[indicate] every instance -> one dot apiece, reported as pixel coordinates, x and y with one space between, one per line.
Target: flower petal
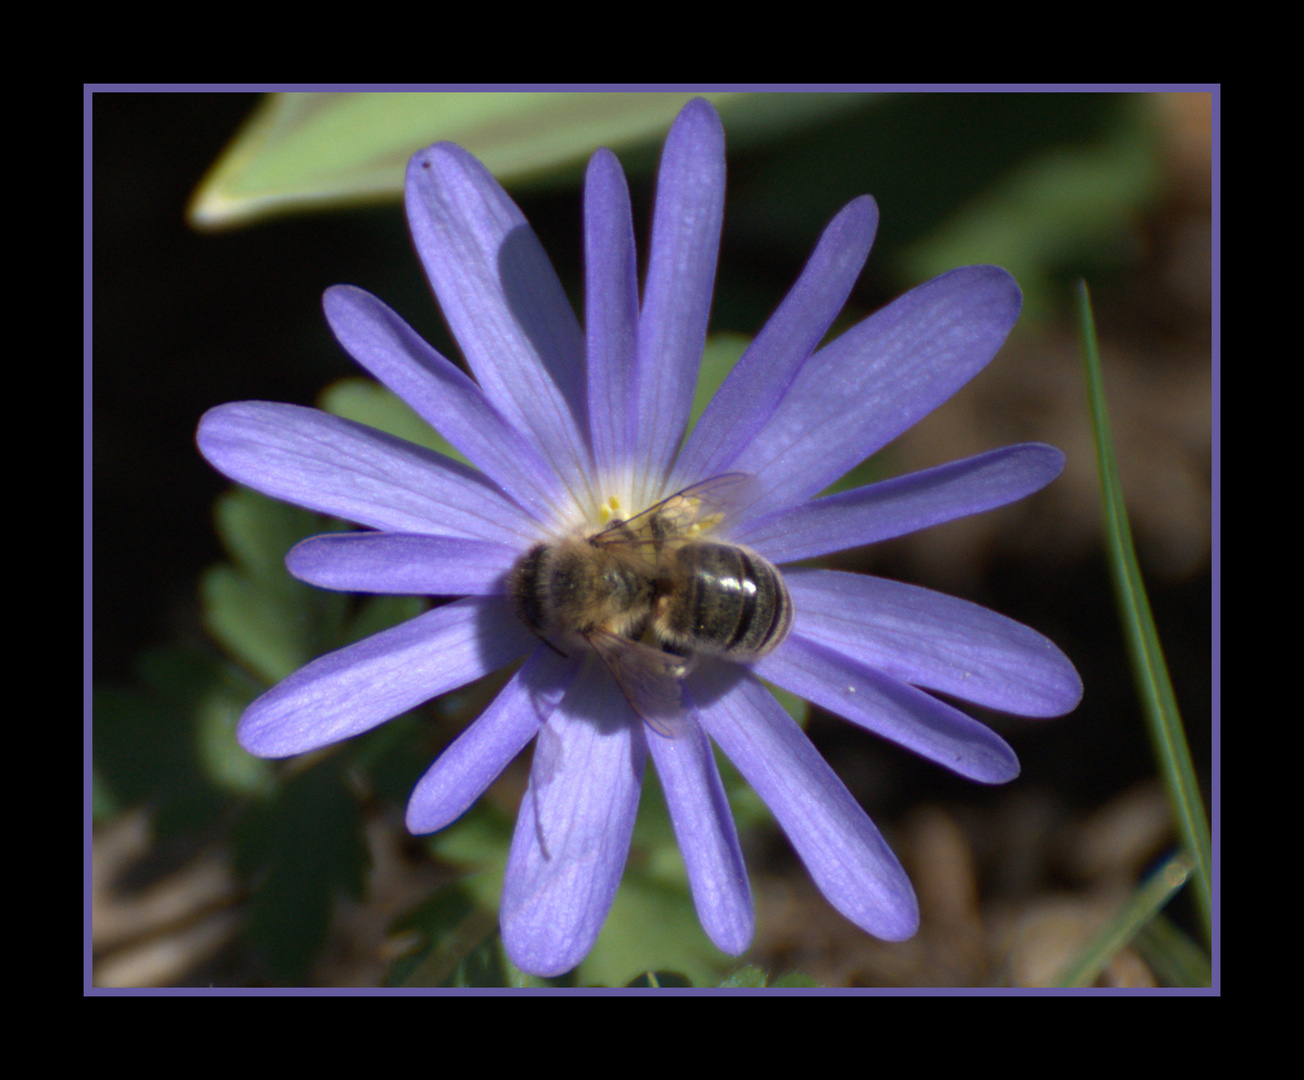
503 302
474 759
930 639
862 390
902 505
574 827
704 826
406 564
353 689
611 313
441 394
845 854
334 466
680 280
762 376
890 708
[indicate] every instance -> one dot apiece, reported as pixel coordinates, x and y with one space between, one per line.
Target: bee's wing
649 679
670 518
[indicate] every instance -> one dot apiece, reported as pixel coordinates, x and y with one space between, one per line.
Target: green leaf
751 977
651 926
659 980
794 980
301 847
266 619
367 402
307 151
257 531
169 740
747 977
722 352
1150 672
455 943
1070 206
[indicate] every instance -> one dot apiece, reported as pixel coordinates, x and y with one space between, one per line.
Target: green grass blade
1144 905
1172 955
1149 668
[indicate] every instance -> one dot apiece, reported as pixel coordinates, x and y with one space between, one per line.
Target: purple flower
559 421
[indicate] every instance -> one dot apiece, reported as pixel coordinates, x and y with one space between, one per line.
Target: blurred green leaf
169 740
104 805
265 618
367 402
376 613
722 352
455 943
308 151
796 707
795 980
651 926
301 847
751 977
1072 207
225 762
1046 184
660 980
303 151
747 977
257 531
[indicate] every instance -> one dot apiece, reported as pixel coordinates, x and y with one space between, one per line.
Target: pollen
610 510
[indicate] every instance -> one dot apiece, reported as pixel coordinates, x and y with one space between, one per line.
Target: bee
648 596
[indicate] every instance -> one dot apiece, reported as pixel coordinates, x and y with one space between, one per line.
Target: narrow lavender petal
902 505
762 376
890 708
405 564
680 281
473 761
704 826
334 466
862 390
442 395
503 302
845 854
611 312
574 827
929 639
360 686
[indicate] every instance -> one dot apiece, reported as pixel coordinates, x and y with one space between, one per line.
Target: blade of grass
1151 672
1144 905
1171 955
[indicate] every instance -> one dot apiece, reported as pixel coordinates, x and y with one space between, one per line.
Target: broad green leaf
271 622
453 942
308 151
1070 206
303 847
169 739
366 402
